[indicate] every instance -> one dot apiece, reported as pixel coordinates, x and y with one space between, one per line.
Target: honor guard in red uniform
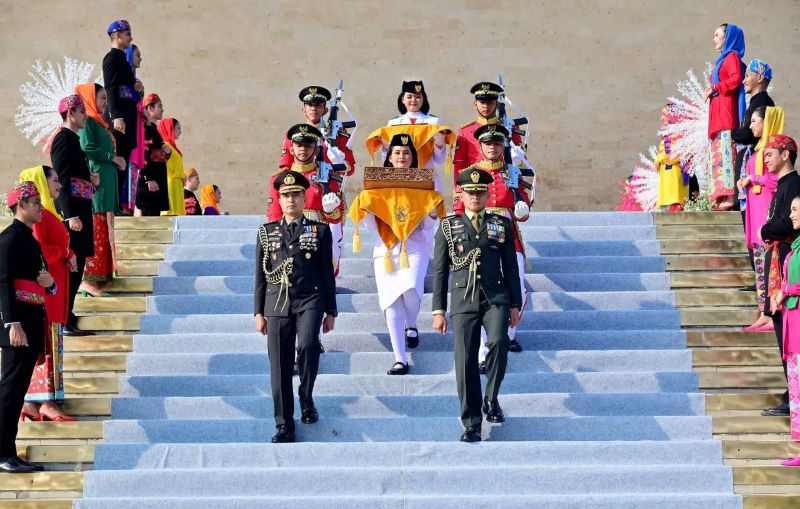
323 202
510 202
467 147
315 107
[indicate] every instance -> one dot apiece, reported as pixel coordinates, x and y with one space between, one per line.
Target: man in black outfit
295 286
75 201
120 84
780 155
24 280
756 81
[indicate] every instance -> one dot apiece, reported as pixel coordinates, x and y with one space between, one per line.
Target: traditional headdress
20 191
119 26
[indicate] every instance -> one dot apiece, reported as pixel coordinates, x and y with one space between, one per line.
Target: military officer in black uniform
24 280
478 247
295 286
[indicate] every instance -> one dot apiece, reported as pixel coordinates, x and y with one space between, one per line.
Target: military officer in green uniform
478 247
294 288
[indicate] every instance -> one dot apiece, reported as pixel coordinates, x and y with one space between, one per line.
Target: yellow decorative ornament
289 180
404 140
475 176
418 88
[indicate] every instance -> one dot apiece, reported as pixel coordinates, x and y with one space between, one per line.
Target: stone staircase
739 372
603 406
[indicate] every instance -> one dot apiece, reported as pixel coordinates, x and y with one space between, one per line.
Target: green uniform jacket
497 275
98 146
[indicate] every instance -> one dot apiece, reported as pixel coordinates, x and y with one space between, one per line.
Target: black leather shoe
514 346
482 368
472 434
493 412
38 468
778 411
71 330
283 436
12 466
412 341
308 412
398 369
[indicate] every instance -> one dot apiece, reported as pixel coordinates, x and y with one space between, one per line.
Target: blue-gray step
421 362
564 282
531 320
254 342
368 303
416 385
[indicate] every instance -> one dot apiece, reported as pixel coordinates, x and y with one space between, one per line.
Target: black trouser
281 334
467 336
124 147
151 212
17 370
75 279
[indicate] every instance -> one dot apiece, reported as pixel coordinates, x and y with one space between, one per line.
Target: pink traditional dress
759 196
791 334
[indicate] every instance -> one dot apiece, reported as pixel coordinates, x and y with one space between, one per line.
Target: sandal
398 369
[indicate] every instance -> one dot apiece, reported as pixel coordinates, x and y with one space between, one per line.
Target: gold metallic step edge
143 223
707 246
130 285
40 503
689 218
742 380
700 232
741 401
98 343
57 453
697 338
765 475
137 268
789 501
750 424
91 385
87 430
736 357
694 317
131 304
143 237
760 449
704 279
714 297
109 322
87 406
101 362
42 481
140 252
698 262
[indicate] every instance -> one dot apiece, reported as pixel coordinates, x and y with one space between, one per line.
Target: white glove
335 155
517 155
521 210
330 202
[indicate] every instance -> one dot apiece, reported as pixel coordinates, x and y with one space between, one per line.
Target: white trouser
402 313
512 331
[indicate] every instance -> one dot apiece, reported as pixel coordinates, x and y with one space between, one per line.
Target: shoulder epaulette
467 124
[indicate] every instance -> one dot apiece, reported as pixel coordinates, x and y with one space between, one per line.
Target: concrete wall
591 74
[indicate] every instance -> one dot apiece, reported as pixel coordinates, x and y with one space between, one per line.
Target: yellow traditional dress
175 178
672 189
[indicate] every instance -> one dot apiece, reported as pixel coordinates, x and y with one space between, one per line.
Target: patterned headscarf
760 67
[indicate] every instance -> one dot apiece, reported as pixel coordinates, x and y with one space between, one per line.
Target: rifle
330 131
513 126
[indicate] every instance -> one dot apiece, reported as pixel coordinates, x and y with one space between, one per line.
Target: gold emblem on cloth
312 91
485 87
303 129
475 176
418 88
289 180
404 140
401 213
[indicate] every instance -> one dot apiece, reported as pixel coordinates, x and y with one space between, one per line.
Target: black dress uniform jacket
311 283
497 273
122 97
70 163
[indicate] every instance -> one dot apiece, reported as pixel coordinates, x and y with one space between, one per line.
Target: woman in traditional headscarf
760 186
170 131
727 105
47 384
98 144
210 196
400 269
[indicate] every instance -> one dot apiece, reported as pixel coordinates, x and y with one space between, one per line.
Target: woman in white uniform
414 107
400 291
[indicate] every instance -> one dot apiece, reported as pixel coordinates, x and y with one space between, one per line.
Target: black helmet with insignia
491 132
303 133
290 181
314 94
474 179
486 91
402 140
413 87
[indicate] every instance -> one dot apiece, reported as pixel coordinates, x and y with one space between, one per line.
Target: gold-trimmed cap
314 94
303 133
491 132
474 179
486 91
290 181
